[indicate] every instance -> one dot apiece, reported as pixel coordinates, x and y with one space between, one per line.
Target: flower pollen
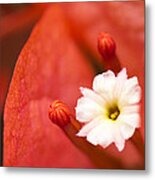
113 113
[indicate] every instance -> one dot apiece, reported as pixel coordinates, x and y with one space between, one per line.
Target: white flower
110 112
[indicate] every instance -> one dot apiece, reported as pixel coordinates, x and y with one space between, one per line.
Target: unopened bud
106 46
59 113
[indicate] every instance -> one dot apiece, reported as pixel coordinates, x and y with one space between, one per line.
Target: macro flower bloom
110 112
30 139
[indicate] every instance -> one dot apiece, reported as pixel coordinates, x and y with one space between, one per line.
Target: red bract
50 67
16 22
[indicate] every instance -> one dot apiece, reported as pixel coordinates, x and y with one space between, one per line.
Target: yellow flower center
113 112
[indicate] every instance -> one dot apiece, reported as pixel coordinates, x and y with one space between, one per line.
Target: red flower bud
106 45
59 113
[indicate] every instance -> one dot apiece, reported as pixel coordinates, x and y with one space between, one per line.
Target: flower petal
119 84
131 90
122 74
88 127
104 84
102 134
87 110
106 135
88 93
135 95
131 119
127 131
118 139
120 144
130 109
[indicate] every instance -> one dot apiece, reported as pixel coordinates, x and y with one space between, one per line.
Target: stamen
113 113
